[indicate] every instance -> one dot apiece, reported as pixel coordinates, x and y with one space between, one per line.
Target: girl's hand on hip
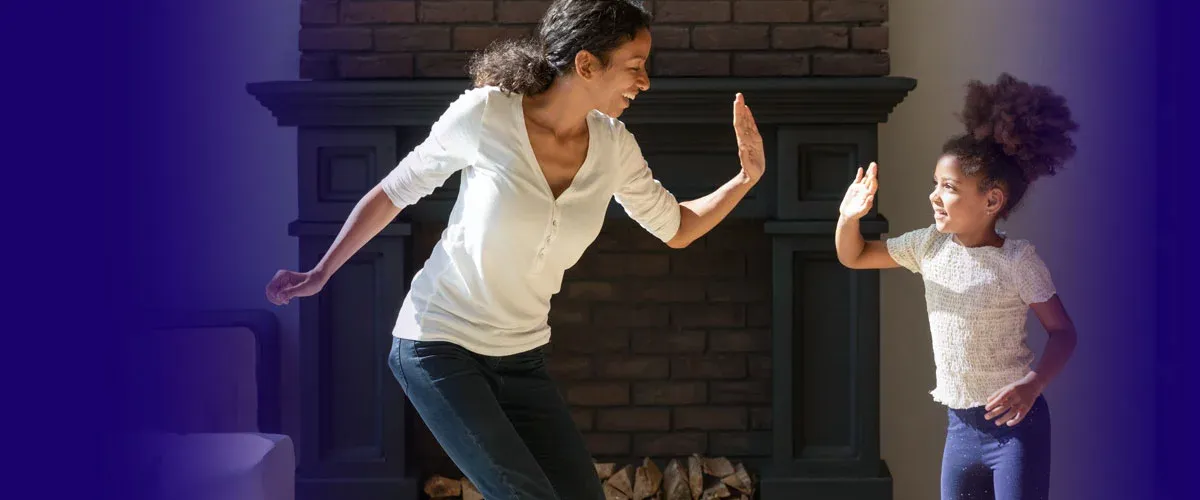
1012 402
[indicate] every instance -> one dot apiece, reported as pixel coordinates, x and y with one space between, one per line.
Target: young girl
979 286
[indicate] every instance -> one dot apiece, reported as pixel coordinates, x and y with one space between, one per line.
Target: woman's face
614 88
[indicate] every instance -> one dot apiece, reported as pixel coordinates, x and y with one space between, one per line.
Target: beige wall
1089 57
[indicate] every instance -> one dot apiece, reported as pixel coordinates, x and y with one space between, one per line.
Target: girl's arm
855 252
1062 341
852 250
1013 402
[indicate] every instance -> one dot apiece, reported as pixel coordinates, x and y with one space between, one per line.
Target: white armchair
212 430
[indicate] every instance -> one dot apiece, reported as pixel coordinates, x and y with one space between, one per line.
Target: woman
541 154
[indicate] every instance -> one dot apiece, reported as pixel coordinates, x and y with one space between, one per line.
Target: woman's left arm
697 217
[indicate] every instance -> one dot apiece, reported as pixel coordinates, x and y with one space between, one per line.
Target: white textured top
496 302
978 301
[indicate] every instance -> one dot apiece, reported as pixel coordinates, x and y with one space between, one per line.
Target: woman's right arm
451 145
372 213
852 250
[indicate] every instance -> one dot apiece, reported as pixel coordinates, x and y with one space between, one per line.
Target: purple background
108 118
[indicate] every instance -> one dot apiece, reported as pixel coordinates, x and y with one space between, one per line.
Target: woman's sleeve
452 144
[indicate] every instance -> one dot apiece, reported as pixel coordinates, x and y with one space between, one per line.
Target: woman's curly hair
1015 133
529 65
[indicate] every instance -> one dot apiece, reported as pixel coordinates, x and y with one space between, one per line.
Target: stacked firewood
696 478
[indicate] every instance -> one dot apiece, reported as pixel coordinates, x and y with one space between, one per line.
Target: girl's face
959 206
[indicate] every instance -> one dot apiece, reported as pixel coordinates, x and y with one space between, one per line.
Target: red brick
318 12
670 37
569 367
631 315
378 12
598 394
376 66
869 37
640 239
758 315
670 444
607 444
443 64
563 312
740 235
676 11
824 11
585 339
673 290
713 366
607 241
668 341
335 39
412 38
479 37
456 12
739 341
810 37
634 367
761 418
740 392
702 263
771 64
676 63
851 64
645 265
670 393
723 315
521 11
730 37
759 266
740 444
614 265
710 418
584 419
633 419
318 66
591 290
759 366
739 291
753 11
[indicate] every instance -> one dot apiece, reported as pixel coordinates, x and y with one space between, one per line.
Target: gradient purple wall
138 173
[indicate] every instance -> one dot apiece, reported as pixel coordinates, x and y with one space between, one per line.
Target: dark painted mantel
825 322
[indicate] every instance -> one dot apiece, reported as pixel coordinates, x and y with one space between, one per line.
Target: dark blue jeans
986 461
500 419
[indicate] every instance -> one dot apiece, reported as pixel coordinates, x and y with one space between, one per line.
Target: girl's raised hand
860 196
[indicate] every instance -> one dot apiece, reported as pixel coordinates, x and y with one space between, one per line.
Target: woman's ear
586 64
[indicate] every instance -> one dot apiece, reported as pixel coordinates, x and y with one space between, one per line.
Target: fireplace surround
753 343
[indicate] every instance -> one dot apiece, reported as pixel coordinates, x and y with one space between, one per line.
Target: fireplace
752 344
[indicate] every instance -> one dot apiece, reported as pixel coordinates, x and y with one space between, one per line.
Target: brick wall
660 352
355 39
